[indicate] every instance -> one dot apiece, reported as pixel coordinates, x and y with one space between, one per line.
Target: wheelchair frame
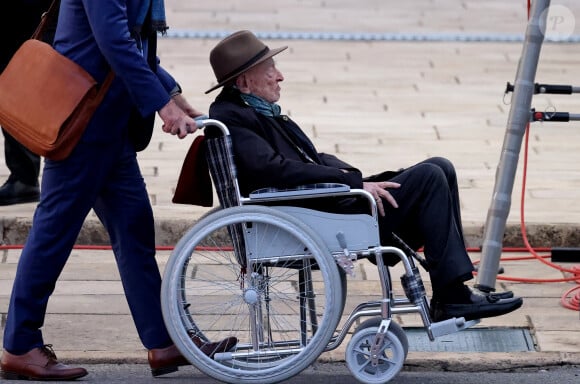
271 252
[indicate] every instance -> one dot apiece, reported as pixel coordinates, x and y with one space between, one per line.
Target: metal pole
518 119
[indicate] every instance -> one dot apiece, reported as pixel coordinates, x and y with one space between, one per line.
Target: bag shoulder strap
48 20
105 86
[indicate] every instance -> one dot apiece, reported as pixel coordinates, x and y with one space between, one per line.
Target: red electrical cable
529 7
565 300
571 298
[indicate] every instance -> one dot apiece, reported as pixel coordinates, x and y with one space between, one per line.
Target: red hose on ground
571 298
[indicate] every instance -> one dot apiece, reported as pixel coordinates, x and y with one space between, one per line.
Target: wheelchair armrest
310 191
301 191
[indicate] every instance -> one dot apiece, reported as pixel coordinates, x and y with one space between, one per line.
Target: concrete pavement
378 104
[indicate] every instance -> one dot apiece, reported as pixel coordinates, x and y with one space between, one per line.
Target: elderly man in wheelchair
284 295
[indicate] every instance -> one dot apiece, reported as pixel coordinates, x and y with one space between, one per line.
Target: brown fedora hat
236 54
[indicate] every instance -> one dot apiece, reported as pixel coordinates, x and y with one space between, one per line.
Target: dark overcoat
275 152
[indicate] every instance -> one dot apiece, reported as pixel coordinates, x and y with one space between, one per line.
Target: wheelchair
274 275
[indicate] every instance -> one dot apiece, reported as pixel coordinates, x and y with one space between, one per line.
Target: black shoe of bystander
16 192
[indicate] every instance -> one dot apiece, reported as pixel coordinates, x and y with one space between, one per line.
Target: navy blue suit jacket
97 36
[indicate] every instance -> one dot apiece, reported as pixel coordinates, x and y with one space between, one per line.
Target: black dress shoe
166 360
498 295
38 364
16 192
480 306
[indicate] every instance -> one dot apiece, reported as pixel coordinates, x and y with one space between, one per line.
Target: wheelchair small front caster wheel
391 357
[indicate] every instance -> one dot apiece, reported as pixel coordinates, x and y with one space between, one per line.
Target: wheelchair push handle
200 119
204 121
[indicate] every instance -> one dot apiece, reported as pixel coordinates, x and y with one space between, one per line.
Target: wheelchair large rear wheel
281 297
343 277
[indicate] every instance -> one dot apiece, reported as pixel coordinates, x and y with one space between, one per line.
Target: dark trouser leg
449 171
24 165
68 192
125 210
428 216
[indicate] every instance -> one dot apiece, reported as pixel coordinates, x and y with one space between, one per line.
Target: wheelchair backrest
222 168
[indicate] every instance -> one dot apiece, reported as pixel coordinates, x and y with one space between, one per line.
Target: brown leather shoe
38 364
210 349
166 360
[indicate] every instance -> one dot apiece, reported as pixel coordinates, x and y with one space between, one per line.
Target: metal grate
473 340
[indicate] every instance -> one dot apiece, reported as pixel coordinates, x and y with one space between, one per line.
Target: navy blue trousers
105 177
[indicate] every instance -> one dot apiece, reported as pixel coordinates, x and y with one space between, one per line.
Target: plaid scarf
158 23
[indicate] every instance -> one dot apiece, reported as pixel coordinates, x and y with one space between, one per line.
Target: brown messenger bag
46 99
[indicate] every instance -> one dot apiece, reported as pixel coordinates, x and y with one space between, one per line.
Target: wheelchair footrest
452 325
